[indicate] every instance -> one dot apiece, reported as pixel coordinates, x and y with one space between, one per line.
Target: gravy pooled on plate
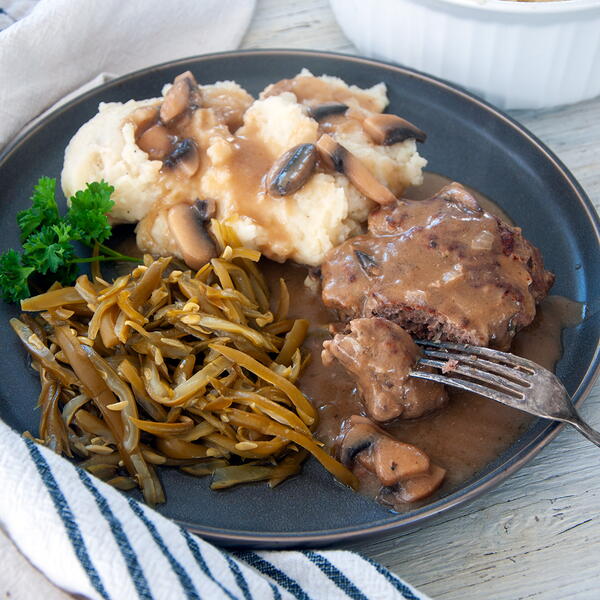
464 436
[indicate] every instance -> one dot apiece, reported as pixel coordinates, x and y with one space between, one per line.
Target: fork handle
583 427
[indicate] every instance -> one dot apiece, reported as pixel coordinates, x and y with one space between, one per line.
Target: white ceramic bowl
514 54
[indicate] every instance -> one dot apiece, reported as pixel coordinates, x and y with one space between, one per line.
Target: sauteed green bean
165 367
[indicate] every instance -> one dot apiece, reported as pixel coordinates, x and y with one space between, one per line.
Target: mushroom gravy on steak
380 354
442 268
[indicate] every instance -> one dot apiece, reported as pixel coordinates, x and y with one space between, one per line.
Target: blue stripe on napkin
266 568
239 577
64 511
335 575
197 554
397 583
184 578
129 555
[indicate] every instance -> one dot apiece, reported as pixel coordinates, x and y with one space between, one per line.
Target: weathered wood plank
287 24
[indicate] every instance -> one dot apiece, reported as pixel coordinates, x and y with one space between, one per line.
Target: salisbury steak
442 268
380 355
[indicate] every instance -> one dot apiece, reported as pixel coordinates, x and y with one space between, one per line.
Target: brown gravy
464 436
312 90
250 160
462 271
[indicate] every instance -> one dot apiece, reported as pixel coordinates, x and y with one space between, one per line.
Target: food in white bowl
514 54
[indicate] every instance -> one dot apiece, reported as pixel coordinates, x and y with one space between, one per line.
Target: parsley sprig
47 238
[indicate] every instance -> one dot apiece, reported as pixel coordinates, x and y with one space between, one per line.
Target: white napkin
85 536
62 44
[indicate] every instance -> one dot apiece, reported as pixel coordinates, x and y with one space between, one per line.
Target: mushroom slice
204 210
421 486
390 460
183 94
185 156
367 263
143 118
393 461
334 156
156 142
319 111
195 93
359 435
291 170
187 226
391 129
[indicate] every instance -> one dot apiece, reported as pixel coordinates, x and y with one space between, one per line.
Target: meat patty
380 355
442 268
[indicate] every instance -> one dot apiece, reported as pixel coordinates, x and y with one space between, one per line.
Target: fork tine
469 386
477 374
546 396
510 359
508 372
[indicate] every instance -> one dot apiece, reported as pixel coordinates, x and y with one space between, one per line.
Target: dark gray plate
469 141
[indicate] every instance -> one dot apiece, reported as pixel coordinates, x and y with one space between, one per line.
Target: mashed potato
302 226
309 89
238 141
105 148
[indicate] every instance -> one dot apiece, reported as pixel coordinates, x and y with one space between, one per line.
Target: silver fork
506 378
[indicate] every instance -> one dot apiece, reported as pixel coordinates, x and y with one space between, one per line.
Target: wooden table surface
538 534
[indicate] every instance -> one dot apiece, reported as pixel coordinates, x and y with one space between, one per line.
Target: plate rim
396 523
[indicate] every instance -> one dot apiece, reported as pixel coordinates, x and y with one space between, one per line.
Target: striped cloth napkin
92 540
86 537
